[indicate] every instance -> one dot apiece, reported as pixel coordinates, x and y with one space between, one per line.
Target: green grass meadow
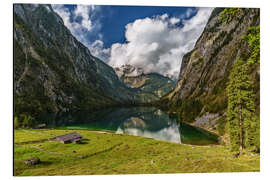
109 153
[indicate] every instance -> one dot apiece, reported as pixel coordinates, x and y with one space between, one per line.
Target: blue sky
151 37
113 19
120 16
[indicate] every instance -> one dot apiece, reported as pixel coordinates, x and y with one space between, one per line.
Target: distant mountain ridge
128 71
134 77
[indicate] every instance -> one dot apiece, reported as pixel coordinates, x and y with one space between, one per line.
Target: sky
154 38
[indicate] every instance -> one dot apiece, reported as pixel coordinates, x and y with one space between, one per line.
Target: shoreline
111 132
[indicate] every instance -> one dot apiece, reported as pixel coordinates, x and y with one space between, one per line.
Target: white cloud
164 16
189 12
174 20
79 21
98 50
63 13
84 11
157 45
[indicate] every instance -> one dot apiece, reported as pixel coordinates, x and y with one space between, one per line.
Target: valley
133 120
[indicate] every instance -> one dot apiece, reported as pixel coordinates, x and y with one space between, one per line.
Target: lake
147 122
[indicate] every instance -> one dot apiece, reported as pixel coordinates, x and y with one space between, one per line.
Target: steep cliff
200 90
54 72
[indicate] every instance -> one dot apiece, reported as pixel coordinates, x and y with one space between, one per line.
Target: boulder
32 161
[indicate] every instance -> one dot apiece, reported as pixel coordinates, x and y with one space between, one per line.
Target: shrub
27 120
16 122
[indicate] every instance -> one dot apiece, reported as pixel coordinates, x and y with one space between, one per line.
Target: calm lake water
138 121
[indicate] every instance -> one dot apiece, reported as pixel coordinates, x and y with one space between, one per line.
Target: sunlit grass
106 153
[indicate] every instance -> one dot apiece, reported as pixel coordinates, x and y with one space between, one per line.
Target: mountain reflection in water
139 121
170 133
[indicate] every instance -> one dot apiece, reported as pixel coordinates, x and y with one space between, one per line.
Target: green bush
27 120
16 122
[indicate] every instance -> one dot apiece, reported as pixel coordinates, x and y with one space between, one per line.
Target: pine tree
241 107
253 40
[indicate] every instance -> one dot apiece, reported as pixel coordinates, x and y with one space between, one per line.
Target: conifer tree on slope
241 108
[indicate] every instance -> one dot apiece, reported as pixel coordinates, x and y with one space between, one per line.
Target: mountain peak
128 70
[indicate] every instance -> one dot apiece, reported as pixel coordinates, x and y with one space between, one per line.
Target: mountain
128 70
54 72
152 83
200 94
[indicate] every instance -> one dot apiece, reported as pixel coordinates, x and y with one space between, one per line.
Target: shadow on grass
45 163
82 142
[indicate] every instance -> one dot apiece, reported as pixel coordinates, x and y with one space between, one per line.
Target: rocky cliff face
151 83
204 71
54 72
